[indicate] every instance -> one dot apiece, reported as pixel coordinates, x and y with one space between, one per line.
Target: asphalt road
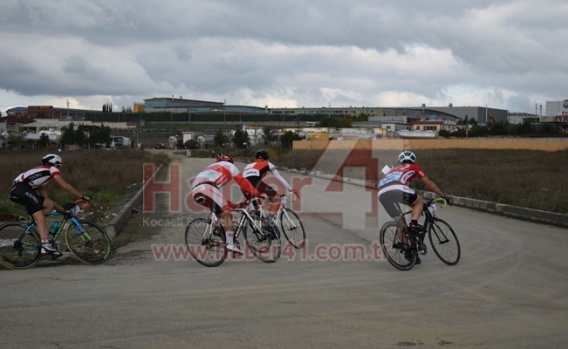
508 291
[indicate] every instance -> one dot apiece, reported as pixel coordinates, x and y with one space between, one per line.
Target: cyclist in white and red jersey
206 192
257 170
29 190
394 189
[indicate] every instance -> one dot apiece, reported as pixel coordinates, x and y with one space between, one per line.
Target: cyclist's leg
34 203
24 195
211 197
273 197
390 198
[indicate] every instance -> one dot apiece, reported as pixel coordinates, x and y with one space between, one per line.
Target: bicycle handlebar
441 201
82 205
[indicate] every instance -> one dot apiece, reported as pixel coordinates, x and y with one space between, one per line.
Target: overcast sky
284 53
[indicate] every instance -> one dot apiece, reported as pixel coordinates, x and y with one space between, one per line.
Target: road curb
114 226
521 213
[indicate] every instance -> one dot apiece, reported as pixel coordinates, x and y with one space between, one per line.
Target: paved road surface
508 291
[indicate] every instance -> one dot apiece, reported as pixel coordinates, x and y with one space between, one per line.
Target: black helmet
262 154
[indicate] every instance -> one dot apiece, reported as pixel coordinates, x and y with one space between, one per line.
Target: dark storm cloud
507 54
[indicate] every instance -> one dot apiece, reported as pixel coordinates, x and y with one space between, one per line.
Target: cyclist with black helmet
206 192
29 189
257 170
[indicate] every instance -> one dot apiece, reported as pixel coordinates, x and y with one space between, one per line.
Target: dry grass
532 179
107 175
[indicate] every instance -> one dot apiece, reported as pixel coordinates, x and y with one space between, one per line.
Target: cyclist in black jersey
29 190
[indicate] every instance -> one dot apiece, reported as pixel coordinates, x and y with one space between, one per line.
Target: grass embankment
107 175
524 178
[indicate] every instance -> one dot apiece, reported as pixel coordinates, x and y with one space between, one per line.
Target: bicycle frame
67 220
429 216
281 208
244 215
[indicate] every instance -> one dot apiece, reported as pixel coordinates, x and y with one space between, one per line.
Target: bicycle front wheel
88 242
18 249
205 243
397 246
444 242
293 228
265 244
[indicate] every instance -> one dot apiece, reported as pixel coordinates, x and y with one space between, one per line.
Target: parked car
159 146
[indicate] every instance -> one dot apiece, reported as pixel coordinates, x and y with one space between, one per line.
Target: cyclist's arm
67 187
281 179
430 184
43 192
246 185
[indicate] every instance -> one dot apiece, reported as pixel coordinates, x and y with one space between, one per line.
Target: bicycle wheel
18 249
398 250
205 243
444 242
293 228
89 243
265 244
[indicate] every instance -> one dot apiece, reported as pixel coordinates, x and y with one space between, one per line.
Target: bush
93 172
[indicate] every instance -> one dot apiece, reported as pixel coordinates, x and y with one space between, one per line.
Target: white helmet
407 156
51 159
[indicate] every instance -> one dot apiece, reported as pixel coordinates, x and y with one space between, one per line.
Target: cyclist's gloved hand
295 192
448 198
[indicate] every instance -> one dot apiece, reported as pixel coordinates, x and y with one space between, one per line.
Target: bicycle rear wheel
293 228
89 243
18 249
265 244
205 243
397 246
444 242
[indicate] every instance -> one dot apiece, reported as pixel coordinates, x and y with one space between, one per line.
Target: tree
220 138
43 140
269 137
100 136
241 138
107 108
336 122
497 129
287 138
73 135
191 144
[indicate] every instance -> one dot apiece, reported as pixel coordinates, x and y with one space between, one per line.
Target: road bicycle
206 241
285 218
20 244
402 246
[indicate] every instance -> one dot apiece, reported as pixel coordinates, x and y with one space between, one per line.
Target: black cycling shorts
262 187
393 197
27 197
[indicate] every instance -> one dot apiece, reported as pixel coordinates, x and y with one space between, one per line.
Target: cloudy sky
509 54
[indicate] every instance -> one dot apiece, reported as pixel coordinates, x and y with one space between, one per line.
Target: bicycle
402 246
206 242
20 244
287 219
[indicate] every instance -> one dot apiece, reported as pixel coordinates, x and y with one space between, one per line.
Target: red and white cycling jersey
218 174
403 174
37 176
257 170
